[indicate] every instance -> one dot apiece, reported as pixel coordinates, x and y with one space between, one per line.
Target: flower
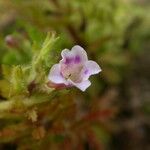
74 69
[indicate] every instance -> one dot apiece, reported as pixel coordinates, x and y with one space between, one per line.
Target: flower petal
65 53
55 74
67 57
79 53
82 86
90 68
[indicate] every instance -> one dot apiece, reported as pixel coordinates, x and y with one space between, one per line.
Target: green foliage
16 80
45 56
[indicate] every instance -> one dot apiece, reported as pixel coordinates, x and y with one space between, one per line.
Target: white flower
74 69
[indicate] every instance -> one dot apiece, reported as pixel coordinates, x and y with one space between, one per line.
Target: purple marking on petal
61 74
68 60
77 59
86 71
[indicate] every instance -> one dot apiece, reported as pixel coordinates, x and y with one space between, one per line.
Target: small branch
75 35
26 102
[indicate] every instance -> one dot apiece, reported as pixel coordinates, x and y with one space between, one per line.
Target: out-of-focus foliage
34 116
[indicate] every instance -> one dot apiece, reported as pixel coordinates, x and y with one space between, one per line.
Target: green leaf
43 60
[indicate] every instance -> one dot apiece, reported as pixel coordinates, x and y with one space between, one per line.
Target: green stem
26 102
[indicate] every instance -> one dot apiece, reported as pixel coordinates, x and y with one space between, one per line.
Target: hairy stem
24 103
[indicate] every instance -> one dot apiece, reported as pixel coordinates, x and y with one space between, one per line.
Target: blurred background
113 114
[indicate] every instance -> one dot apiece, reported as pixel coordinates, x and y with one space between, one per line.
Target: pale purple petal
65 53
55 74
80 54
67 57
82 85
77 55
90 68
